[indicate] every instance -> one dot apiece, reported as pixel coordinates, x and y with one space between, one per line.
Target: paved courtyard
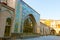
44 38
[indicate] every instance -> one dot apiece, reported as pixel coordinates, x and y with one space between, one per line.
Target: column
18 17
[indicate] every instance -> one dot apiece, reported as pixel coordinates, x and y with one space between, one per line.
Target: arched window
7 27
8 21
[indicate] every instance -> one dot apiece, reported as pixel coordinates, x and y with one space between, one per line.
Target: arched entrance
53 32
29 24
7 27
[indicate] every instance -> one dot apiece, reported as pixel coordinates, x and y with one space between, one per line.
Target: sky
48 9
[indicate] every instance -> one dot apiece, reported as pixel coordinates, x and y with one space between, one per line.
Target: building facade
16 16
44 29
54 24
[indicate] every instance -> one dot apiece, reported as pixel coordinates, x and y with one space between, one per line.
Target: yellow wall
49 22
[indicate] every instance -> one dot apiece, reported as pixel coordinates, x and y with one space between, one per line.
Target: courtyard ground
43 38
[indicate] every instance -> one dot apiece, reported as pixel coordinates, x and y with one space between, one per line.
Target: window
7 27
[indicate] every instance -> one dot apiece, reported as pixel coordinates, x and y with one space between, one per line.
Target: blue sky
48 9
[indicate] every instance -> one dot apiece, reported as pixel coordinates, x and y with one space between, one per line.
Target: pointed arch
29 24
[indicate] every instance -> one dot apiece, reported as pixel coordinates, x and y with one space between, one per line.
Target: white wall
11 3
3 1
3 16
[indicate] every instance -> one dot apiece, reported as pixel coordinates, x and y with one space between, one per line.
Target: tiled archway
29 24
